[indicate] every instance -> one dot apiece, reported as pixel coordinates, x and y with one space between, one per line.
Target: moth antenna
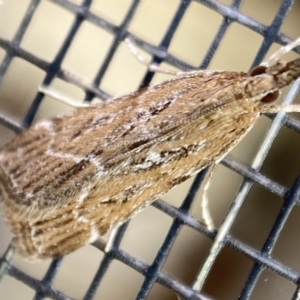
286 108
80 82
151 67
282 51
52 93
206 216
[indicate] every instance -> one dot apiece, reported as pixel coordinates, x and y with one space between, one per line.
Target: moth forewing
66 181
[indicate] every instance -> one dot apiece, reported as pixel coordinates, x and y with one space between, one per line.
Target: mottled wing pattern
86 143
76 176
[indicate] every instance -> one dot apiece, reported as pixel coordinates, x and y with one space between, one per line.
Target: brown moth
66 181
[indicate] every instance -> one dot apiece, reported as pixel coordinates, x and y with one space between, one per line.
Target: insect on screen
78 48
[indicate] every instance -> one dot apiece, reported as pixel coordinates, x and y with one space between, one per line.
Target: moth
67 181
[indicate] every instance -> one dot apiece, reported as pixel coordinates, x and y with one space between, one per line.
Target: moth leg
179 297
111 239
282 51
60 97
7 257
152 67
206 216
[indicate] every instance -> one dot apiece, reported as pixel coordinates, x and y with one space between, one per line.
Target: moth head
271 97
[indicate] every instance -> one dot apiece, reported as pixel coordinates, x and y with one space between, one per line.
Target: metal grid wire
152 273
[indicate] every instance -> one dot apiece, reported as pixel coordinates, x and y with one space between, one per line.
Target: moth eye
257 70
272 97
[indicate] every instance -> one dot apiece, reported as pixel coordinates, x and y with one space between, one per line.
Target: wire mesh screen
253 252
